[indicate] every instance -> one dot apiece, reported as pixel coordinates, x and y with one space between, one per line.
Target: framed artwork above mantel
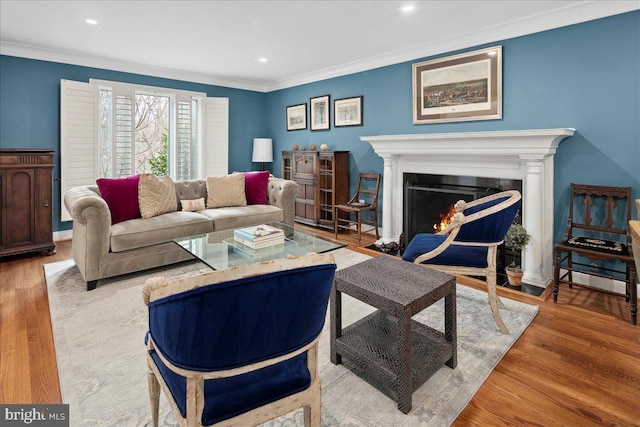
458 88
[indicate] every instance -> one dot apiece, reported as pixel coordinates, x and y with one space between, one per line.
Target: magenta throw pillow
121 195
255 187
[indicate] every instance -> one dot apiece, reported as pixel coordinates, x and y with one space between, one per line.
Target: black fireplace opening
428 199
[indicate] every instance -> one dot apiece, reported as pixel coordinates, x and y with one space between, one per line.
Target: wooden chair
468 246
597 240
238 347
364 200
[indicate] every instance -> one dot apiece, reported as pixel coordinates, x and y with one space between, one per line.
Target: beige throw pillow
156 195
192 205
225 190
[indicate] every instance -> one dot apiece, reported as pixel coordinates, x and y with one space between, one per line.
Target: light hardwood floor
578 363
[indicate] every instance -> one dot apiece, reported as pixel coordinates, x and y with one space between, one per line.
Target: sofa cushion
225 190
137 233
121 195
156 195
255 187
193 205
236 217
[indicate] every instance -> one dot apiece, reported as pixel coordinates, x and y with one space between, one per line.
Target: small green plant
160 162
516 239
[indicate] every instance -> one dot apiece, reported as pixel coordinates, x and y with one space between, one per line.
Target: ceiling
220 42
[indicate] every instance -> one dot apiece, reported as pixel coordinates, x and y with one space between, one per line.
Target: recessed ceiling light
263 60
91 21
492 53
408 8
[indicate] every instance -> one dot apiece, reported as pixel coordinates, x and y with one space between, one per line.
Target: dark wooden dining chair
597 240
364 201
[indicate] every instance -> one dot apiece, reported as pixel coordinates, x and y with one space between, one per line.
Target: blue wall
30 110
585 76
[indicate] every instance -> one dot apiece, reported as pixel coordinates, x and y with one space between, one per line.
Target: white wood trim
77 138
216 137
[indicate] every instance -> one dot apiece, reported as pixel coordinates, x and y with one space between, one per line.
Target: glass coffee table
218 249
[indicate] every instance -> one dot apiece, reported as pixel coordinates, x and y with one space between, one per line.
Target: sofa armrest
91 229
85 202
282 193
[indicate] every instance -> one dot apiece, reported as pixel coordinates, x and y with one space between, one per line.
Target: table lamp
262 151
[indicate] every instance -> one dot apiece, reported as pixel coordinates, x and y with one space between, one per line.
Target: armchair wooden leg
312 412
154 396
494 301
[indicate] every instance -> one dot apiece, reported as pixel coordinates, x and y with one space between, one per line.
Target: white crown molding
569 15
65 57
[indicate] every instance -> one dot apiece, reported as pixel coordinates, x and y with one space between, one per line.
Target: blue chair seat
228 397
460 256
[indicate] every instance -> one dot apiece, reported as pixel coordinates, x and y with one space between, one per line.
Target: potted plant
516 239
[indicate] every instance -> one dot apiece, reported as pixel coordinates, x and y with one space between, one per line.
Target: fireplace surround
525 155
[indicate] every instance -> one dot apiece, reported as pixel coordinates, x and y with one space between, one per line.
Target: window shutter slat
216 146
77 142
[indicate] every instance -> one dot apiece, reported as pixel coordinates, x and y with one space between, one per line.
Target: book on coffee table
259 233
278 240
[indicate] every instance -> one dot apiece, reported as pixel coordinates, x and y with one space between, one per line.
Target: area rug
101 354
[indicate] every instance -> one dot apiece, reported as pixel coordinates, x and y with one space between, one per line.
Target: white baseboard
610 285
62 235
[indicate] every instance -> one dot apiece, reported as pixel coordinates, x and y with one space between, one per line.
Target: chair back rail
243 321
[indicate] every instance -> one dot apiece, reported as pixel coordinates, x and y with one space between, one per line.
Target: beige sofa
101 250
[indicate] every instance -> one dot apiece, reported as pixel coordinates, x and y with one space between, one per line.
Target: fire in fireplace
445 219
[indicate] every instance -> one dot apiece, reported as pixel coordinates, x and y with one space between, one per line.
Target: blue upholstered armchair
239 346
469 244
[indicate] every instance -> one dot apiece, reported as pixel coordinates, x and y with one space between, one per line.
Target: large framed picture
297 117
459 88
319 112
347 112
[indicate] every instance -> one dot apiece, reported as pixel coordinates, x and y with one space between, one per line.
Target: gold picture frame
458 88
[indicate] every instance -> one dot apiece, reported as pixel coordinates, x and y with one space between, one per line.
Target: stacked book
259 236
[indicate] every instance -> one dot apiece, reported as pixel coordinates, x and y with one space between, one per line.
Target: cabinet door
286 165
326 184
20 209
43 205
304 165
3 208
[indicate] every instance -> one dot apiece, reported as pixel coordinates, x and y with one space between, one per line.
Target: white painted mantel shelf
526 155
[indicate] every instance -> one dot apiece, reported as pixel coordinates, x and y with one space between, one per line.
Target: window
145 131
111 129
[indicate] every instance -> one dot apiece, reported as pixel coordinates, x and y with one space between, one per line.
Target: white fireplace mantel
526 155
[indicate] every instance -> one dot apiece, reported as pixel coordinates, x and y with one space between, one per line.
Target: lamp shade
262 150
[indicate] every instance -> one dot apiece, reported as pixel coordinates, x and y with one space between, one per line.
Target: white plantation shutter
77 137
186 147
216 137
123 135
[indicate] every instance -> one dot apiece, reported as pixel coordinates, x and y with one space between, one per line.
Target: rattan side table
387 344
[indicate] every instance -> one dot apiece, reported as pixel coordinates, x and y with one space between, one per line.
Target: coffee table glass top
219 251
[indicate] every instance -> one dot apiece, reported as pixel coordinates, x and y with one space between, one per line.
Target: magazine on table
259 233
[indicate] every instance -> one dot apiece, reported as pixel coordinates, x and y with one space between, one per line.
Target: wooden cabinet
26 190
323 182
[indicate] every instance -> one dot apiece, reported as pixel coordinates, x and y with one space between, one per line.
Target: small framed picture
347 112
297 117
319 112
